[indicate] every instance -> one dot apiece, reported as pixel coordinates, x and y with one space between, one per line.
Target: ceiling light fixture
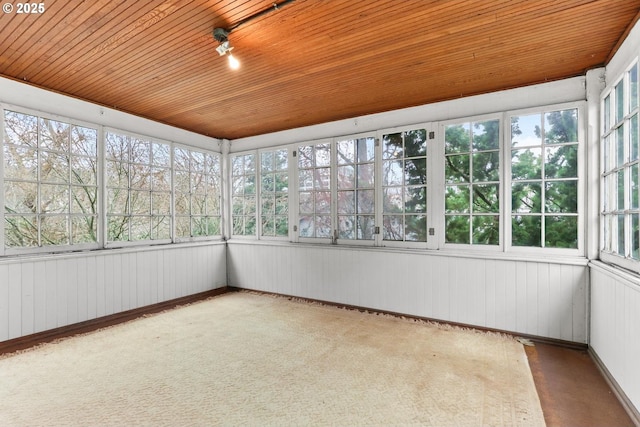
222 35
225 48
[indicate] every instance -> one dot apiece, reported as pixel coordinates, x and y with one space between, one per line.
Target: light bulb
233 62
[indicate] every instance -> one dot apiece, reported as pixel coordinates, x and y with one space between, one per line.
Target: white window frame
146 242
439 166
291 190
99 184
609 256
256 158
580 106
434 179
176 238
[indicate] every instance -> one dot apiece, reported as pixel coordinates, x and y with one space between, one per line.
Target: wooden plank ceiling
309 61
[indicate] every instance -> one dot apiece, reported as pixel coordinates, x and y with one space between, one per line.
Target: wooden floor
572 390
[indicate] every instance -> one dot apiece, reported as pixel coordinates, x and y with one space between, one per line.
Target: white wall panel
615 326
45 292
547 299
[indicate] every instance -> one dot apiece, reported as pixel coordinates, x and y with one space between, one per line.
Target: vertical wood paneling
615 330
71 289
103 264
40 284
501 294
4 302
28 302
54 291
15 300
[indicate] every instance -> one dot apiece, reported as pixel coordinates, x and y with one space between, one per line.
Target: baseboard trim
628 406
534 338
28 341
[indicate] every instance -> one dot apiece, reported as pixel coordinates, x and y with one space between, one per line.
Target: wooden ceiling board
309 61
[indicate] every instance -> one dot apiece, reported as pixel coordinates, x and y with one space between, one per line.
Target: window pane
20 231
457 168
346 177
457 229
392 173
457 199
561 232
346 202
84 141
415 171
526 231
392 146
561 126
20 163
526 198
619 101
457 139
526 131
20 129
366 202
526 164
633 88
634 188
415 199
393 200
607 113
54 167
84 229
635 236
561 162
20 197
486 135
393 227
634 137
415 143
54 230
54 135
561 197
486 166
486 198
486 229
415 228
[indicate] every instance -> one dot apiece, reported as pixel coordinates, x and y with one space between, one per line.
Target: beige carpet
248 359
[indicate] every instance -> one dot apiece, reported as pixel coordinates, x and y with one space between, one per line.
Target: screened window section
274 193
196 193
472 176
50 182
356 188
314 196
621 207
544 179
404 186
138 189
243 178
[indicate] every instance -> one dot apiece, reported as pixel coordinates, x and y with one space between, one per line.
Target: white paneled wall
615 326
46 292
547 299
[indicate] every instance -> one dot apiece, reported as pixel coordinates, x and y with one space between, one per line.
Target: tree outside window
544 179
50 182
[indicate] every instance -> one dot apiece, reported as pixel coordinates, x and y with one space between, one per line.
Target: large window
50 182
197 193
621 169
243 188
138 185
274 193
404 186
355 188
314 196
472 177
544 179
